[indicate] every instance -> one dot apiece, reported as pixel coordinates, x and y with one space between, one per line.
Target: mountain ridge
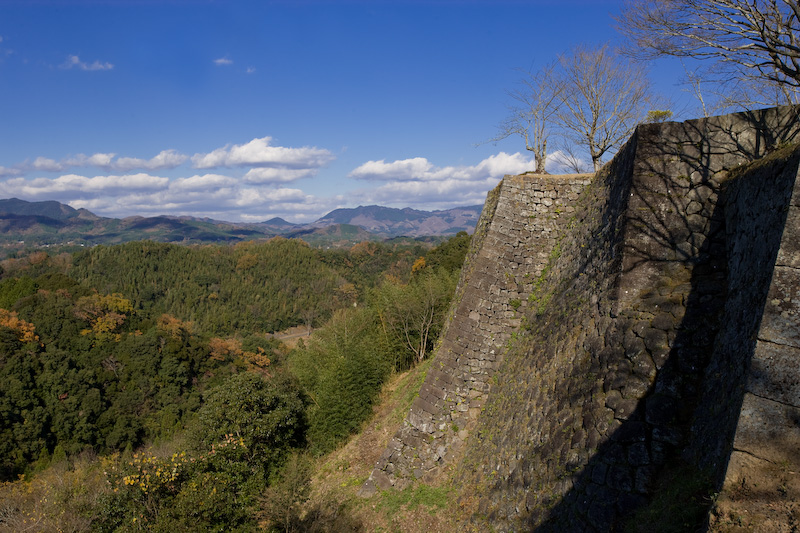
51 223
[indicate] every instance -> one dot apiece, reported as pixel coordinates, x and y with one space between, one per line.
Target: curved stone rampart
511 247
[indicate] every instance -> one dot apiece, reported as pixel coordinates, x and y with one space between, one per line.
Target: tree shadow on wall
677 316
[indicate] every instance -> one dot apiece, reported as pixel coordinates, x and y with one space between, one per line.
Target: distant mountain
410 222
278 221
50 209
46 224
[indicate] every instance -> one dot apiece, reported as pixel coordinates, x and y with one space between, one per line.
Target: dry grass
418 509
61 498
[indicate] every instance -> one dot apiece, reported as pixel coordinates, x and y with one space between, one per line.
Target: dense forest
154 366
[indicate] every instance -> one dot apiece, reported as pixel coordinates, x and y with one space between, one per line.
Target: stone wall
752 386
594 409
599 354
510 248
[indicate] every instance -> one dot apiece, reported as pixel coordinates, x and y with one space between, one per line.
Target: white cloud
405 169
70 186
420 169
250 70
48 165
205 183
222 61
258 204
99 160
277 175
259 153
94 160
252 196
164 159
75 62
257 189
417 182
440 194
6 172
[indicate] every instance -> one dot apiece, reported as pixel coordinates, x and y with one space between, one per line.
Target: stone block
620 477
631 432
660 409
775 373
796 192
421 404
599 472
663 321
768 430
781 320
381 480
638 454
623 408
655 340
789 253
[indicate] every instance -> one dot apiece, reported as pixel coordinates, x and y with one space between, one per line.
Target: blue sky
243 111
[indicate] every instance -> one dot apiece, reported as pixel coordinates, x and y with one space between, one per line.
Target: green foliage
412 314
111 388
366 263
207 502
63 497
151 344
13 289
241 433
657 115
410 498
180 492
342 368
250 286
282 501
450 254
267 415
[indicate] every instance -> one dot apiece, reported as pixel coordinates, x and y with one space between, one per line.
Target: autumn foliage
24 330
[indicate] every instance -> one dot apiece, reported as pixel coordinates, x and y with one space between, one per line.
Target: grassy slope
334 504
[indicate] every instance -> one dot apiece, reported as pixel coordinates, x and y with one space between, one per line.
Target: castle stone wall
511 247
607 339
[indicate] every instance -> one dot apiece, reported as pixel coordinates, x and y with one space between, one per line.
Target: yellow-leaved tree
105 313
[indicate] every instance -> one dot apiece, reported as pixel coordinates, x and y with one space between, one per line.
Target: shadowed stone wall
609 391
752 386
601 343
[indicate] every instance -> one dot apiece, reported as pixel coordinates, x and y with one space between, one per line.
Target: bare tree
567 157
753 38
530 117
603 98
695 82
721 92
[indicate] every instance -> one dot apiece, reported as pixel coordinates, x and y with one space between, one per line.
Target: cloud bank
259 153
249 182
417 181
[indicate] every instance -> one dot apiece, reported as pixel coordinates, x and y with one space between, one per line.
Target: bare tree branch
567 157
602 100
752 38
531 115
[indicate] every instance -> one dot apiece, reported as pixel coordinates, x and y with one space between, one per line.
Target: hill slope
46 224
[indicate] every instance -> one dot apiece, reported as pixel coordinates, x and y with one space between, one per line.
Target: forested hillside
158 358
